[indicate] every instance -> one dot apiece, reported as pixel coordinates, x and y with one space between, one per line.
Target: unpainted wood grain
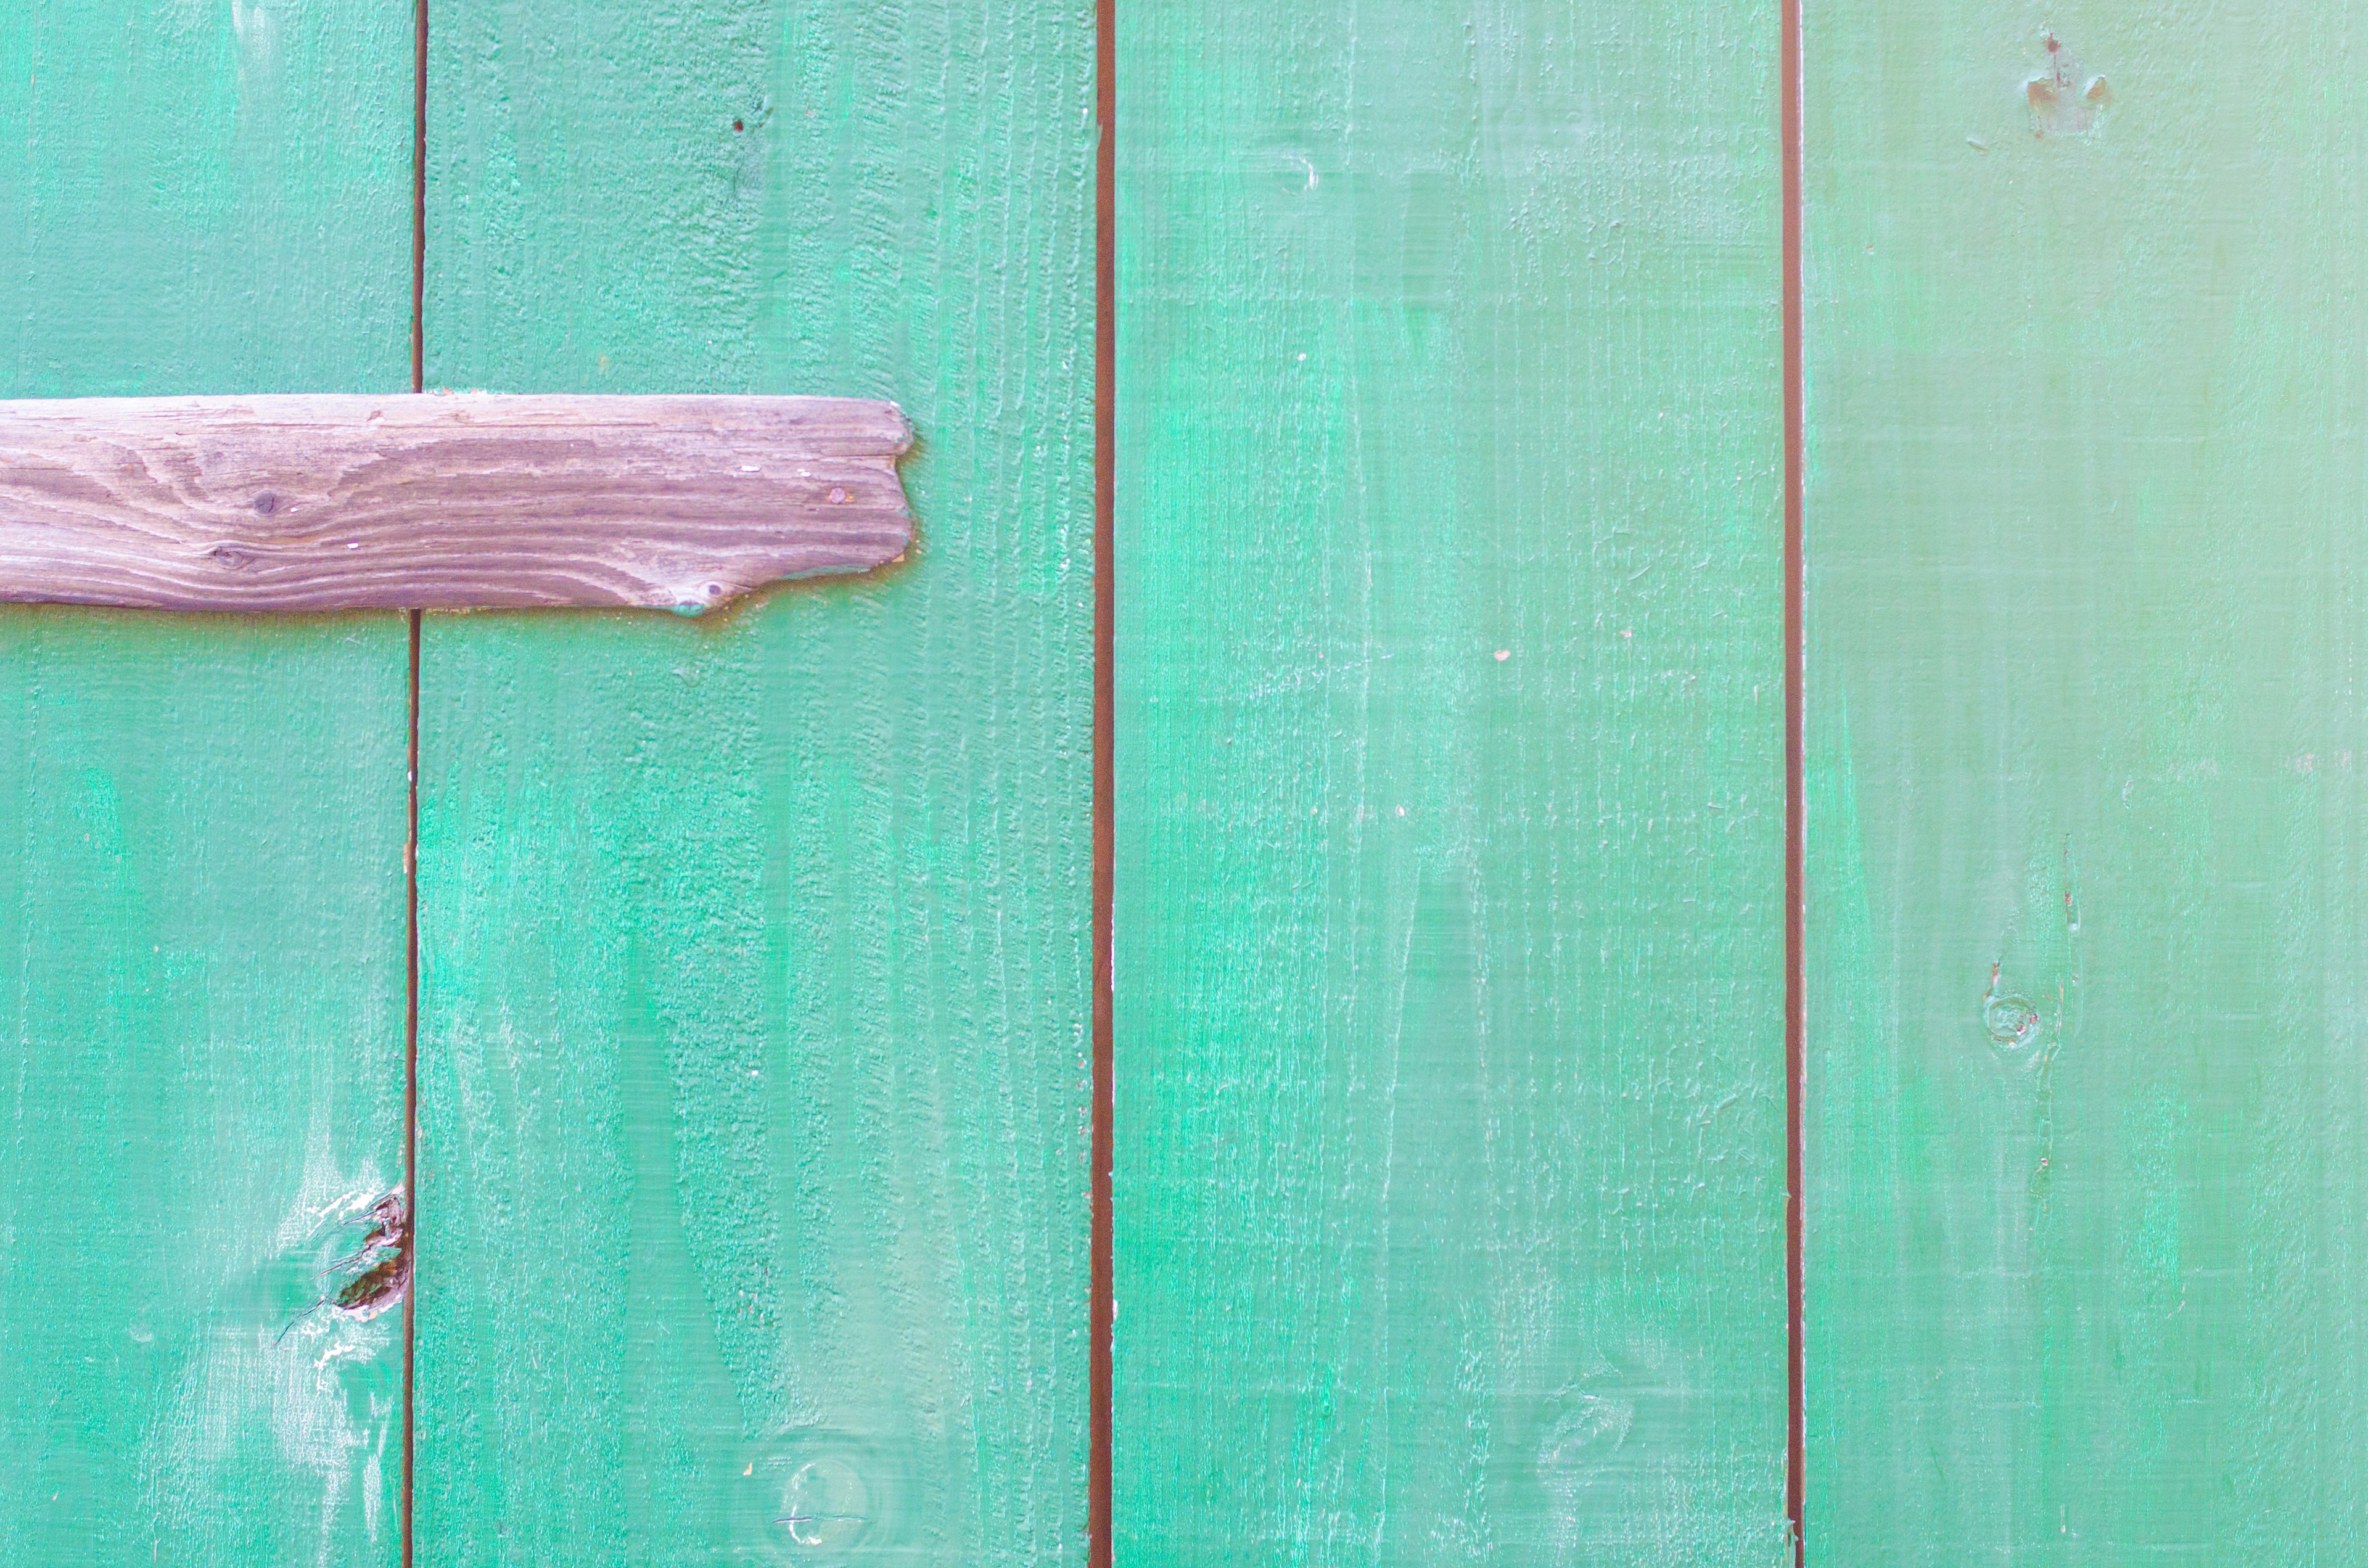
2088 589
201 822
286 503
1448 969
754 1083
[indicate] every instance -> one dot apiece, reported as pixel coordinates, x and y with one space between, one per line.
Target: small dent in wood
2010 1020
825 1499
825 1496
1586 1433
1609 1440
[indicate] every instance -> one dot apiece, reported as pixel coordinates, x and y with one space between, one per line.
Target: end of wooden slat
443 501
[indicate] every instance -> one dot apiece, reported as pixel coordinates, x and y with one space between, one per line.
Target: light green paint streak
2088 428
754 1052
1450 800
202 820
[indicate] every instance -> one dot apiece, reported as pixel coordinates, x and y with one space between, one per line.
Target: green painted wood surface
2088 1277
202 820
754 1059
1448 943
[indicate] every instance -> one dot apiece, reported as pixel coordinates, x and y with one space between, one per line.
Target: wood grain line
444 502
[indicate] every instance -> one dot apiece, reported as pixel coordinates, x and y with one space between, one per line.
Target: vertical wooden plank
202 820
2090 1223
1449 958
754 1053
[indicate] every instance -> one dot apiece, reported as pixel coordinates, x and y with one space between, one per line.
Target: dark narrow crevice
411 773
1796 1050
419 195
1105 1136
410 1072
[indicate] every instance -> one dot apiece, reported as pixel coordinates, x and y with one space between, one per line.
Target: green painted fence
2089 1239
754 1020
1450 966
201 820
755 1044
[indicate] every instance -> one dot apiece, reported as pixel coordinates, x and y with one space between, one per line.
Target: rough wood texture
1450 959
2088 836
201 820
753 1060
444 502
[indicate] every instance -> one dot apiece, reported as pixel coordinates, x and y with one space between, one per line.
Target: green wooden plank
2089 1275
753 1060
201 819
1450 951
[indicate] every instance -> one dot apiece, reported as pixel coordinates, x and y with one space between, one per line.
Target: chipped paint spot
2064 100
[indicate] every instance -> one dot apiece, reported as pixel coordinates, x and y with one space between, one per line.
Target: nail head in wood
441 501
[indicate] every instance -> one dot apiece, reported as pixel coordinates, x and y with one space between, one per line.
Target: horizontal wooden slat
441 501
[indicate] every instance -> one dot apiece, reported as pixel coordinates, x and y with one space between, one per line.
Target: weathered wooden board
2089 598
753 1125
288 503
201 820
1448 976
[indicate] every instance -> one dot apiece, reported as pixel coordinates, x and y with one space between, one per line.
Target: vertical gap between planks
1797 1054
410 1065
419 195
1104 1305
411 783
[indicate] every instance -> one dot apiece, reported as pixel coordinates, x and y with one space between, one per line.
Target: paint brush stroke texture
2088 591
1450 943
201 820
754 1109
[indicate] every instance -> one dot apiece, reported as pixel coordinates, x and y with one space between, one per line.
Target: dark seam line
411 1067
1098 1528
411 775
1796 1050
420 196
